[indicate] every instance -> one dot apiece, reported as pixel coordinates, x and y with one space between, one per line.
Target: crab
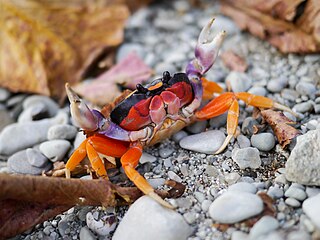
154 112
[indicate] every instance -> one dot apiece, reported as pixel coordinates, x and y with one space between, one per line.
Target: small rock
197 127
264 226
63 225
86 234
275 192
190 217
103 226
238 235
239 82
35 158
305 88
260 91
178 136
51 106
172 175
248 126
166 152
289 94
281 179
303 107
275 85
55 150
212 171
4 94
184 203
126 48
156 182
205 205
295 193
34 112
312 191
219 121
206 142
312 208
232 207
62 131
5 119
232 178
243 141
299 235
146 212
303 165
263 141
243 187
292 202
19 163
146 157
246 157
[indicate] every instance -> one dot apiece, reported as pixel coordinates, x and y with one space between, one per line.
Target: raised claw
80 112
207 48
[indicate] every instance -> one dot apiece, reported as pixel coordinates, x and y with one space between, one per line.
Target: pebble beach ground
223 188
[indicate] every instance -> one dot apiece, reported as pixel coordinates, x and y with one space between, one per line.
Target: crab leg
209 88
96 161
77 156
129 161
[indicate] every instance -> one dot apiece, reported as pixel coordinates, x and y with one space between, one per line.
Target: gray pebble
219 121
55 150
127 48
232 178
289 94
206 142
146 157
178 136
260 91
246 157
243 141
86 234
275 192
146 212
264 226
103 226
239 82
232 207
248 126
312 191
312 208
212 171
63 225
167 162
19 163
172 175
4 94
263 141
199 196
35 158
156 182
205 205
34 112
190 217
305 88
243 187
303 107
239 235
62 131
299 235
197 127
275 85
184 202
52 106
293 202
5 119
166 152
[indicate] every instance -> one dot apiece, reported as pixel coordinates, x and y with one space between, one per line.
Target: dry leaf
104 89
233 61
290 25
44 44
280 126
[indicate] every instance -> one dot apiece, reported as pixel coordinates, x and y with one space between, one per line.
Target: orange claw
129 161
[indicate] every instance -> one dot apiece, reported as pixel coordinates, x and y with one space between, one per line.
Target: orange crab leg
77 156
209 88
129 161
107 146
216 107
96 162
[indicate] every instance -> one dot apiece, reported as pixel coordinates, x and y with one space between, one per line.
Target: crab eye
166 77
141 88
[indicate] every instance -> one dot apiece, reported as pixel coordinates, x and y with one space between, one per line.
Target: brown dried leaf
280 126
233 61
43 45
104 89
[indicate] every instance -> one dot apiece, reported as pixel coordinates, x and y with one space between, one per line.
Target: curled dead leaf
233 61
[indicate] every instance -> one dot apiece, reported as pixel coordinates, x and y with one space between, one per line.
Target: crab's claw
80 112
206 51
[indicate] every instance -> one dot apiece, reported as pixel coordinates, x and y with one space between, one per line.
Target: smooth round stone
19 163
275 192
247 157
248 126
233 206
312 191
86 234
292 202
305 88
52 106
311 207
232 178
260 91
197 127
34 112
206 142
36 158
62 131
156 182
166 152
126 48
219 121
263 141
243 141
4 94
55 150
178 136
205 205
243 187
299 235
5 119
289 94
103 226
238 235
239 82
146 157
146 212
296 193
303 107
264 226
275 85
172 175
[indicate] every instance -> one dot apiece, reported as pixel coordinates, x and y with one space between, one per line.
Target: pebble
219 121
5 119
86 234
166 152
243 141
55 150
126 48
156 182
305 88
51 106
19 163
263 141
172 175
178 136
312 191
190 217
232 207
184 202
206 142
293 202
275 85
281 179
312 208
302 166
248 126
62 131
232 178
289 94
246 157
243 187
159 221
275 192
146 157
239 82
239 235
264 226
303 107
295 193
4 94
205 205
103 226
197 127
260 91
34 112
35 158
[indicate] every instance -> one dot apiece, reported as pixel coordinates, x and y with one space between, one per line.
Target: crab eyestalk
206 51
80 112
